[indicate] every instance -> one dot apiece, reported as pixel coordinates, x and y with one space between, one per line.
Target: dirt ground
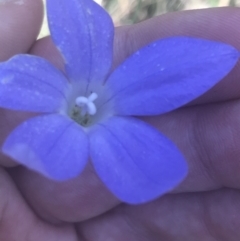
122 11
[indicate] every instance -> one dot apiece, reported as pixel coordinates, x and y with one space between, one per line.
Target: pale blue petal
168 74
83 32
52 145
30 83
134 160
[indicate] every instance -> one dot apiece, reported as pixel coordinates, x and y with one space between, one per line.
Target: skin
205 206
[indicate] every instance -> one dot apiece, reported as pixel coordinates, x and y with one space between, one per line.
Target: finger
208 136
17 35
46 49
219 24
18 222
71 201
207 216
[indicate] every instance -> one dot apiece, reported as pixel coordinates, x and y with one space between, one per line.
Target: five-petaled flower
87 110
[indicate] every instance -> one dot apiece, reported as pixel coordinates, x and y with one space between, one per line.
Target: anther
86 104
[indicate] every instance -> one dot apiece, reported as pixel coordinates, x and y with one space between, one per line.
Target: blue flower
87 111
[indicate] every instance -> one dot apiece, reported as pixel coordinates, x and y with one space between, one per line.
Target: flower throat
84 109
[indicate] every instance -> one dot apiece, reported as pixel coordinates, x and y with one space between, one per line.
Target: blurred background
133 11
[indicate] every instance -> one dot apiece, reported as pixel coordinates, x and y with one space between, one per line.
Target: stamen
87 105
92 97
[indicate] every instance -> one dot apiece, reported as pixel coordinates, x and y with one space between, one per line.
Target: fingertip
46 49
75 200
20 22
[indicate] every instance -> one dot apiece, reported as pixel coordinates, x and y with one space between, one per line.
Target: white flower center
86 104
84 110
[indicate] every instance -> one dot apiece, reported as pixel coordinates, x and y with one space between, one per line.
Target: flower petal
31 83
83 32
134 160
168 74
53 145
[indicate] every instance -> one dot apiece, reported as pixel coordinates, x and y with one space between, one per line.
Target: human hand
206 132
20 22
